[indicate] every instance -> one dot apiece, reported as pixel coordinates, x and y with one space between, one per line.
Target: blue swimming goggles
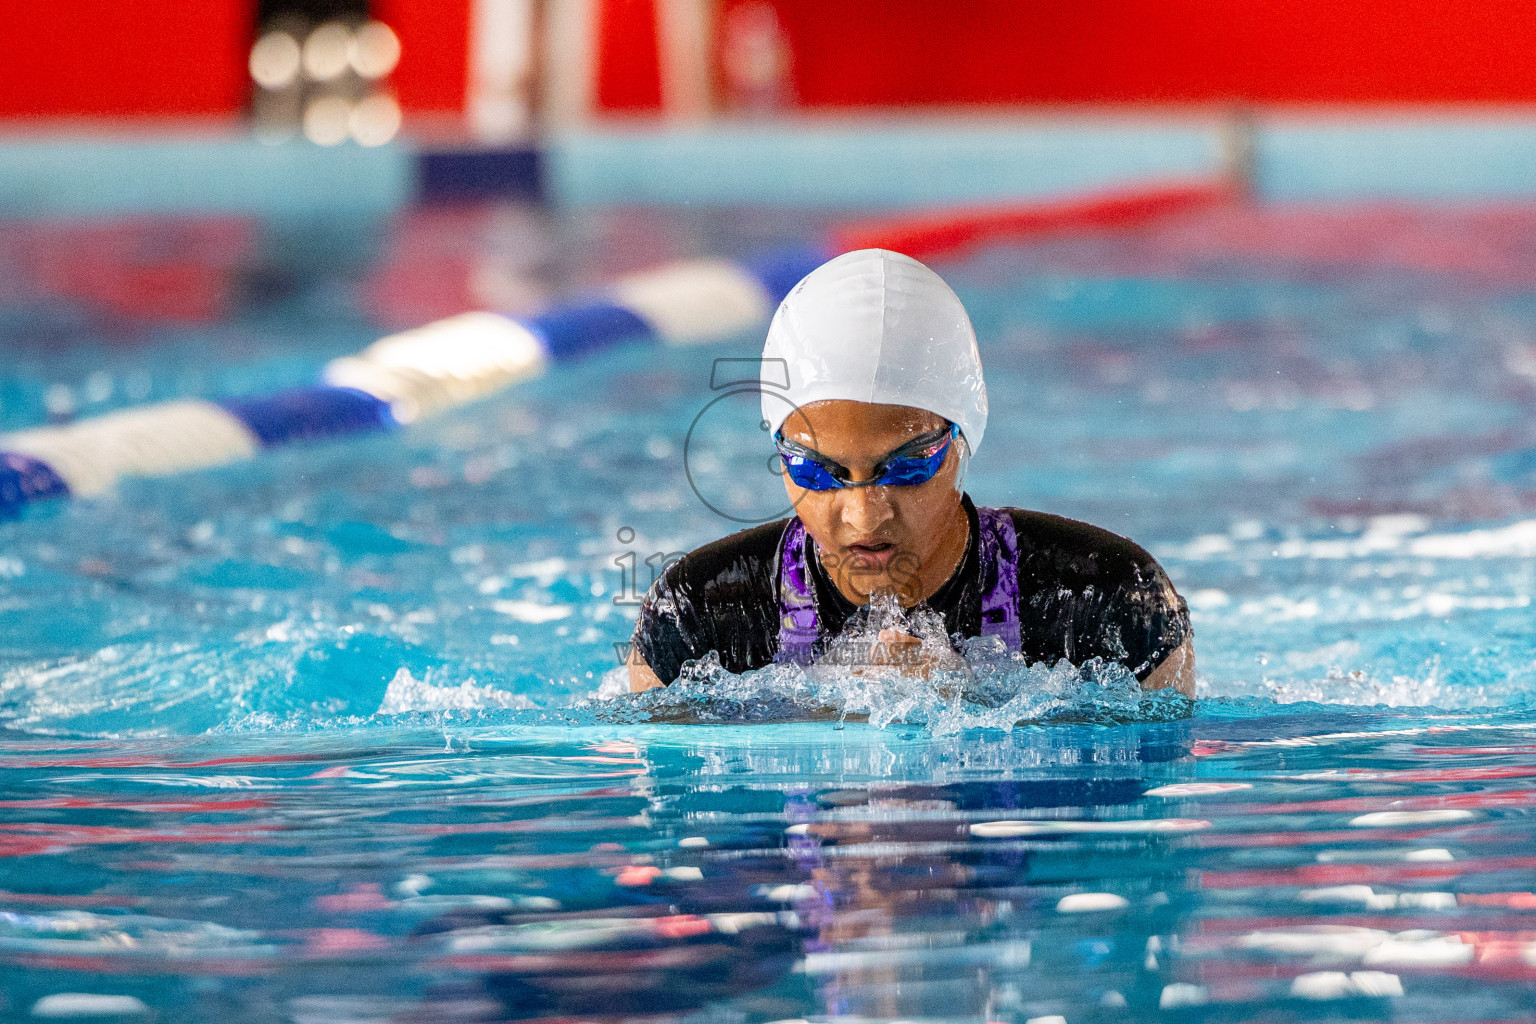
913 463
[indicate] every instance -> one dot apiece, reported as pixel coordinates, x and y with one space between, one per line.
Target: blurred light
497 118
375 120
59 400
501 53
375 50
98 386
325 51
756 57
275 60
325 120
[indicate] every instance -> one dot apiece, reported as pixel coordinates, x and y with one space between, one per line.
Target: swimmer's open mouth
873 553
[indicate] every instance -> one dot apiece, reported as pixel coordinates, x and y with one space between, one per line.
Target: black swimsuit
1084 593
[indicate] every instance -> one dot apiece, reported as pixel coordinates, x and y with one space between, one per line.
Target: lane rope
401 378
429 370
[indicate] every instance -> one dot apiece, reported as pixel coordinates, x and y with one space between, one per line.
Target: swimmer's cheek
1177 670
641 677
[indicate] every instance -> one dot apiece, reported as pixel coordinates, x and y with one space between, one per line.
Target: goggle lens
808 473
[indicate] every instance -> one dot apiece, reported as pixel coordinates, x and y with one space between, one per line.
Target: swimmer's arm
642 678
1176 670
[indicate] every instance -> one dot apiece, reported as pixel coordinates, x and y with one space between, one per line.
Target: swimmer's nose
865 509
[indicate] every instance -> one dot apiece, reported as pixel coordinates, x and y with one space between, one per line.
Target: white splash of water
1364 688
406 693
868 673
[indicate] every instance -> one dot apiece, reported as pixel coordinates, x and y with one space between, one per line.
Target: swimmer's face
905 540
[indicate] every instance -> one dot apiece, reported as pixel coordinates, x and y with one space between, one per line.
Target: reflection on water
1199 869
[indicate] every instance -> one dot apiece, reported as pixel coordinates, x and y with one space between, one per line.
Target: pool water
331 735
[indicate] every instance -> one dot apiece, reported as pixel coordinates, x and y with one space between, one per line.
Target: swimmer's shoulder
732 569
1055 549
720 597
1097 595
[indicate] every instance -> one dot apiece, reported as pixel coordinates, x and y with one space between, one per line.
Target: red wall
628 78
99 58
434 52
169 58
175 57
850 53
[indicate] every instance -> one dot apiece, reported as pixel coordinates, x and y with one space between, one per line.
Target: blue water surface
331 735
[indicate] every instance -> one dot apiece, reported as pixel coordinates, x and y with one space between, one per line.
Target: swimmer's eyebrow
911 445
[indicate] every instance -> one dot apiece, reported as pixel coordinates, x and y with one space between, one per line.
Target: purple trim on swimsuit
1000 577
800 623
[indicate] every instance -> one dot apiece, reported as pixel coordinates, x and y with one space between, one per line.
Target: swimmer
885 405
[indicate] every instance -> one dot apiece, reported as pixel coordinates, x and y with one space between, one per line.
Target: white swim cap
875 326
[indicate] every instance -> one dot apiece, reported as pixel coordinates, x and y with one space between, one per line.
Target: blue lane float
571 331
24 479
401 378
780 269
310 414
